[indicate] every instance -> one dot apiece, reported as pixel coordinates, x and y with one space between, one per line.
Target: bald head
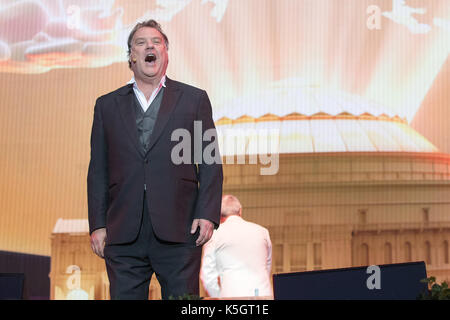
230 206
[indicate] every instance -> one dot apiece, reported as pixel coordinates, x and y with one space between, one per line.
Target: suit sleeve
210 173
97 179
208 272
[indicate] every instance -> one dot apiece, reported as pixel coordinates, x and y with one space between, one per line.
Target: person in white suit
237 261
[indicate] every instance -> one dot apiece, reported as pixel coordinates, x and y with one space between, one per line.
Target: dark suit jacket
118 169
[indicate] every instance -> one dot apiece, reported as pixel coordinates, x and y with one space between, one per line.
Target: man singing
146 214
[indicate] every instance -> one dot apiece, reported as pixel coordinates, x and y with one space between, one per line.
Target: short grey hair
148 23
230 206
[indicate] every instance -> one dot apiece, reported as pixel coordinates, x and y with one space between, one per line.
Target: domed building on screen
354 185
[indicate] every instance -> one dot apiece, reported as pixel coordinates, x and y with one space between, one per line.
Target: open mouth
150 58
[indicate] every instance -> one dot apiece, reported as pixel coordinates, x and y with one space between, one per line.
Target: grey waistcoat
145 121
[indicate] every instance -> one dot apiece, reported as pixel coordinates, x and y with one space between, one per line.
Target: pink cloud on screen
36 36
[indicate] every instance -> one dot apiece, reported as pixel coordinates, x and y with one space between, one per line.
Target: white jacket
240 253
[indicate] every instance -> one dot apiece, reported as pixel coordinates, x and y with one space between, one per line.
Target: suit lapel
168 103
128 114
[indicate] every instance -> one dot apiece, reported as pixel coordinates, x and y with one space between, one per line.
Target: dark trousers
131 266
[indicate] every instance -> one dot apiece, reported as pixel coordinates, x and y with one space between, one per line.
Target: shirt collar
133 81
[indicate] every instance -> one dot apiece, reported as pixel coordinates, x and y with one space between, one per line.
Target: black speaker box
383 282
11 286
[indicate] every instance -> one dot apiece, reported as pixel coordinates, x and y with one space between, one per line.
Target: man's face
148 41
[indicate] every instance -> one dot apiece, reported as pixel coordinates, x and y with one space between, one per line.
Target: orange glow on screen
58 56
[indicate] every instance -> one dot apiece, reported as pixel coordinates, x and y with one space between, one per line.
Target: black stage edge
34 269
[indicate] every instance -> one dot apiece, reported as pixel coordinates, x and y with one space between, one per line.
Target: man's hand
206 230
98 238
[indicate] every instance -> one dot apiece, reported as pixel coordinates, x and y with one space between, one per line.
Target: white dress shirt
145 104
240 254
